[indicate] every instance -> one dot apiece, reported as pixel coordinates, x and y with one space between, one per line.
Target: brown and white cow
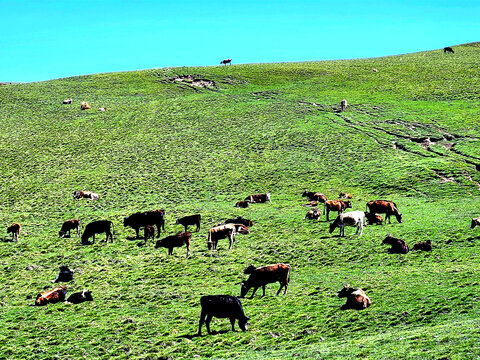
226 61
51 296
336 205
141 219
475 222
84 195
384 207
79 297
242 204
84 106
313 214
225 231
258 198
97 227
353 218
264 275
356 298
190 220
399 246
314 196
15 230
69 225
173 241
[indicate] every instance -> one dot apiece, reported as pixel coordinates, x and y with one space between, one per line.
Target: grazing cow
51 296
475 222
356 298
336 205
15 230
242 204
314 196
222 306
190 220
240 220
399 246
448 49
225 231
345 196
423 245
226 61
353 218
65 275
148 232
84 105
79 297
258 198
141 219
70 225
97 227
67 101
373 218
384 207
313 214
264 275
174 241
343 105
84 195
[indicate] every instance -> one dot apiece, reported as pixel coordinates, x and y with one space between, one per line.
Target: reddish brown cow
258 198
190 220
264 275
336 205
314 196
225 231
15 230
148 233
84 195
173 241
68 225
423 245
313 214
51 296
384 207
356 298
242 204
399 246
373 218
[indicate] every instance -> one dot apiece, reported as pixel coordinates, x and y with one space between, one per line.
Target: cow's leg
231 239
281 286
360 227
185 226
232 321
188 249
254 290
342 230
137 231
286 288
93 238
198 227
263 288
202 320
207 322
170 251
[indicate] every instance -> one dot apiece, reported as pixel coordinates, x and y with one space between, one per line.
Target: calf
97 227
373 218
148 232
221 306
64 275
70 225
51 296
84 106
314 196
264 275
423 245
475 222
67 101
258 198
313 214
336 205
384 207
79 297
15 230
174 241
242 204
354 218
240 220
356 298
399 246
225 231
84 195
190 220
141 219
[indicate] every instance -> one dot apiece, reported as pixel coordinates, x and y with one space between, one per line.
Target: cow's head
242 229
250 269
333 226
398 216
87 295
348 205
347 290
389 240
474 223
305 193
243 323
244 289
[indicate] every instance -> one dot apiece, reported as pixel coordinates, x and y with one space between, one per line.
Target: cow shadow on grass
472 238
213 333
7 239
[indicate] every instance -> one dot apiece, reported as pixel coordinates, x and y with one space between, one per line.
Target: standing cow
225 231
226 61
190 220
353 218
336 205
264 275
343 105
384 207
15 230
69 225
173 241
221 306
141 219
97 227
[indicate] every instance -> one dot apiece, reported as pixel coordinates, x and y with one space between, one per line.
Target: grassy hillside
410 134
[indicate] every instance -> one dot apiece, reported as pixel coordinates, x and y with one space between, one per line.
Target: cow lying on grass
356 298
373 218
399 246
423 245
314 196
313 214
77 195
258 198
353 218
51 296
79 297
264 275
475 222
240 220
221 306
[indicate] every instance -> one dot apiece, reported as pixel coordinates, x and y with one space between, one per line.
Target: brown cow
399 246
148 232
51 296
242 204
190 220
84 195
225 231
173 241
141 219
97 227
264 275
384 207
373 218
258 198
15 230
84 106
356 298
336 205
313 214
475 222
240 220
314 196
423 245
68 225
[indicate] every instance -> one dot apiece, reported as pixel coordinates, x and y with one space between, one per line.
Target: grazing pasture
410 135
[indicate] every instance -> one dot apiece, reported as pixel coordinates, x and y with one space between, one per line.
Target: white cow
353 218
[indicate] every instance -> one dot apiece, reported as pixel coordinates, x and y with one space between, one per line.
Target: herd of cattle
226 306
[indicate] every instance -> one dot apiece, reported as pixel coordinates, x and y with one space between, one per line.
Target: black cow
64 275
79 297
399 246
222 306
190 220
97 227
448 49
140 219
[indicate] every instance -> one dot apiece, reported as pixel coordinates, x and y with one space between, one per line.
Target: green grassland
410 134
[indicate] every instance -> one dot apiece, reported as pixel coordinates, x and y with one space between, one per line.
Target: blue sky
42 40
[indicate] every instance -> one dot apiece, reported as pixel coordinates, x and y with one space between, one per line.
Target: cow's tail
288 273
113 230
